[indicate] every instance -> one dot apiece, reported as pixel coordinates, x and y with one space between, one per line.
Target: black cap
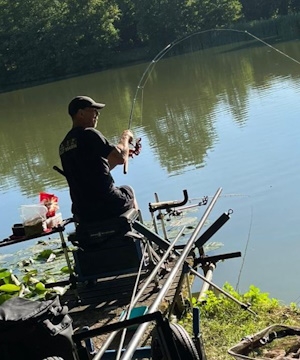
81 102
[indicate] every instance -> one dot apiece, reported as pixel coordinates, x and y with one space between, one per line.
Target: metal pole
139 294
160 214
65 250
142 328
205 285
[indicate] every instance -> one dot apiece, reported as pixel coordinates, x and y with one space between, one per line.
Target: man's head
84 111
82 102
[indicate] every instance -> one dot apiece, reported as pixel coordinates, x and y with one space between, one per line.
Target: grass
224 323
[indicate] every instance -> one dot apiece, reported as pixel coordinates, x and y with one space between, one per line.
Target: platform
103 302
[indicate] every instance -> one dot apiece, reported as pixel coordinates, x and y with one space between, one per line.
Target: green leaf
65 270
4 273
45 254
40 287
4 297
9 288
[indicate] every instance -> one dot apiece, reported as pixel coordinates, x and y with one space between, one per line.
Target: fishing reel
136 148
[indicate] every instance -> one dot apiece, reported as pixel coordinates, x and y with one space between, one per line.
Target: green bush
224 323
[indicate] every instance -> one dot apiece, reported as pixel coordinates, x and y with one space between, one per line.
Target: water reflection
178 112
227 117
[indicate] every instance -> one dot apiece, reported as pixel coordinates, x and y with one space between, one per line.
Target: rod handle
125 167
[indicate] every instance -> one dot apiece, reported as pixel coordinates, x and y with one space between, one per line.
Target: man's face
89 117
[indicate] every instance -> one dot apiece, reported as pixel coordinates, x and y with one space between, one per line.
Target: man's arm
119 155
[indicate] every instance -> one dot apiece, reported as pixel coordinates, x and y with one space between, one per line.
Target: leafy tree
46 38
43 39
127 25
295 6
259 9
162 21
265 9
216 13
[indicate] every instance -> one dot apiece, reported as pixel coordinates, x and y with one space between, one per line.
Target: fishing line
221 196
245 252
297 301
145 76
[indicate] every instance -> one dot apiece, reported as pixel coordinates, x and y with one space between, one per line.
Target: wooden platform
103 302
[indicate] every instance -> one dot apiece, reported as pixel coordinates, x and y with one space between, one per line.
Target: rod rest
166 205
93 234
214 259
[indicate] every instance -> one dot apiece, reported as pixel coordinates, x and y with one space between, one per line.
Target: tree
259 9
295 6
162 21
217 13
127 25
49 38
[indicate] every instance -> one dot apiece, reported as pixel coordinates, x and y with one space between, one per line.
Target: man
87 159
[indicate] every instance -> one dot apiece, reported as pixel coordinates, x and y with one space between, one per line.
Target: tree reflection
184 100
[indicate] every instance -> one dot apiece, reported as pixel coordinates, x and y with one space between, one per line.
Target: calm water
227 117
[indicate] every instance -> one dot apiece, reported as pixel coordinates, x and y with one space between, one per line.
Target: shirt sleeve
95 140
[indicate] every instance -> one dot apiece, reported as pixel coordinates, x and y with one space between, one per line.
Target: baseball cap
81 102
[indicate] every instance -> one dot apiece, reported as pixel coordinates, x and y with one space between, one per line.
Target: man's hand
129 134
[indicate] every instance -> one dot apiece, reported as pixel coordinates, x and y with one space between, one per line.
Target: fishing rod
146 74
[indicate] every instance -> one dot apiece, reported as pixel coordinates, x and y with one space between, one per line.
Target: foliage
224 323
27 277
69 36
127 25
41 40
160 22
265 9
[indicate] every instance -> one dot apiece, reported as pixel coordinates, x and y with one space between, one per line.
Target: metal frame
166 249
163 327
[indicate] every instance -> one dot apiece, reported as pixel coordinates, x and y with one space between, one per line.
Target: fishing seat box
106 248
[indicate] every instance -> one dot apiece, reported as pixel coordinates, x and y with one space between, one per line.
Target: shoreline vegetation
223 322
49 61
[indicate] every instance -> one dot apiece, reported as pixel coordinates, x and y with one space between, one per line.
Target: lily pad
10 288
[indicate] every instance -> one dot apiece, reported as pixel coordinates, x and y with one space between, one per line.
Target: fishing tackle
133 151
137 147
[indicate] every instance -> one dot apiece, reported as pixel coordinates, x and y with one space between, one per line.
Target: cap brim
98 105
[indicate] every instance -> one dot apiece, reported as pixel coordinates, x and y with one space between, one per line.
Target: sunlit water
211 120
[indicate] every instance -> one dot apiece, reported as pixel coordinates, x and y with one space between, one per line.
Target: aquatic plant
26 273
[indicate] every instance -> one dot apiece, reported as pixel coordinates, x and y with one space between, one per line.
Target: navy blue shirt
83 154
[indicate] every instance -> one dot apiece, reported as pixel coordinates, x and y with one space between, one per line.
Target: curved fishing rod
145 76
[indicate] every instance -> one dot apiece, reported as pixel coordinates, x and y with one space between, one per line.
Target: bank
275 30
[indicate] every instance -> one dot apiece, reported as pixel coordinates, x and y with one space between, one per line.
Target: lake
223 117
